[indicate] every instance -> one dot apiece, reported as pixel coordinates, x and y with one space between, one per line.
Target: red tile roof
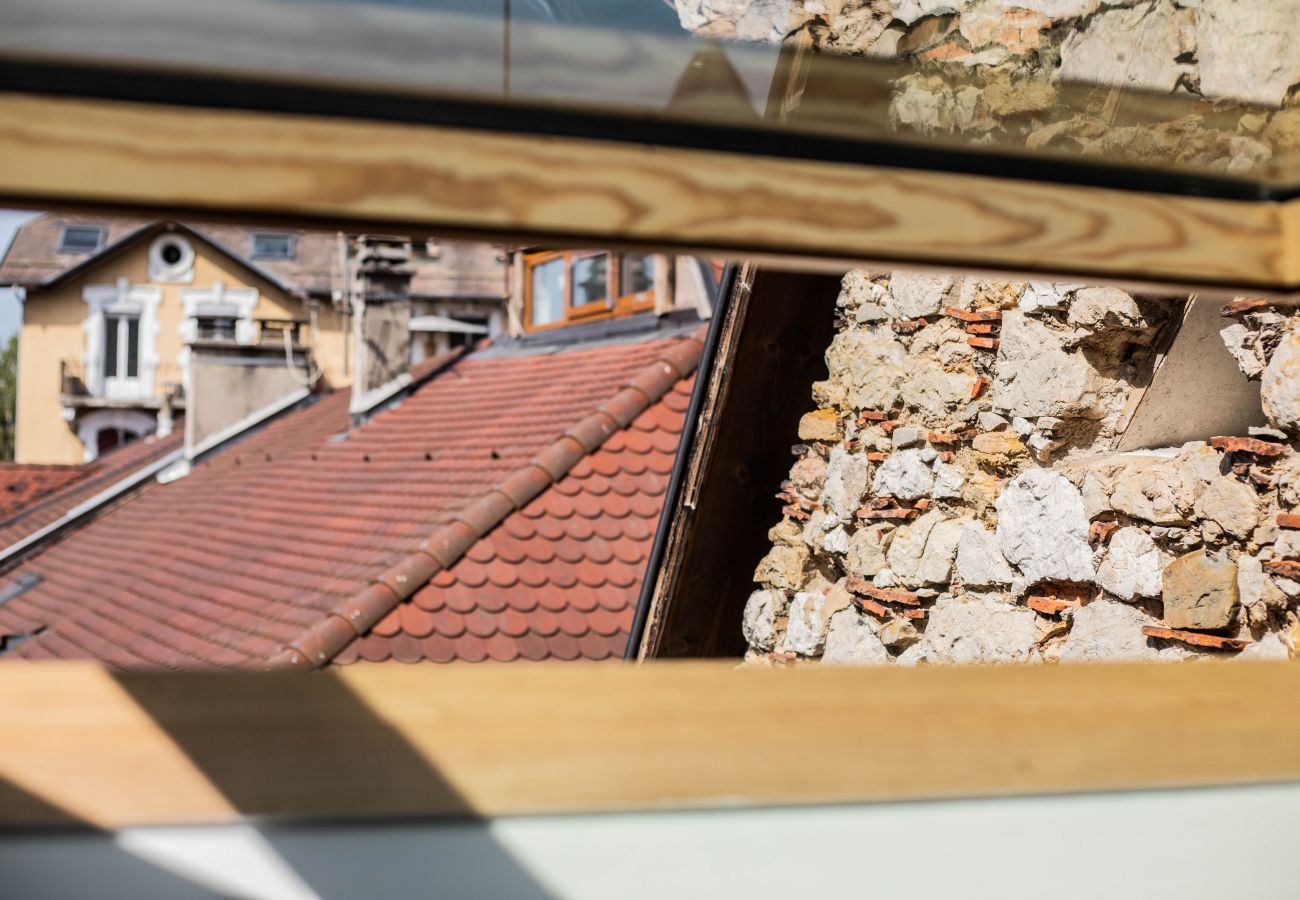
22 484
268 544
80 483
559 577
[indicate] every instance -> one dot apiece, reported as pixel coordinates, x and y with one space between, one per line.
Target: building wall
999 472
52 331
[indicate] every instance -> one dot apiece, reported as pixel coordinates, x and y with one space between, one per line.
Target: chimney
381 323
232 386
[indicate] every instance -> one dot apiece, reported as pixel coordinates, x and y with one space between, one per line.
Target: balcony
80 389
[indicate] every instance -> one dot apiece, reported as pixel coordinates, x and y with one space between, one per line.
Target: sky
10 313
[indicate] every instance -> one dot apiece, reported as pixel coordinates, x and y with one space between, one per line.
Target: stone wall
966 488
958 496
993 69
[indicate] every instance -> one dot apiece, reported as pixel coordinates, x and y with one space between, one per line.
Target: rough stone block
758 624
1042 528
851 640
1132 565
979 561
1200 591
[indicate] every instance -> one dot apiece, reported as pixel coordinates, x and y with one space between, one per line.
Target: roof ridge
356 615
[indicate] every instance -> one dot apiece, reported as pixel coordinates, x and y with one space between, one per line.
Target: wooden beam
350 173
81 744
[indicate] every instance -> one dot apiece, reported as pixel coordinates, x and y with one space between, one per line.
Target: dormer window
582 285
81 238
269 245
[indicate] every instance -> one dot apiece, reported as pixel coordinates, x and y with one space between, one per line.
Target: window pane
273 246
132 347
110 345
548 292
81 238
638 274
590 280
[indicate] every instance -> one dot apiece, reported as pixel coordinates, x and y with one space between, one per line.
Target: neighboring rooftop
526 481
22 485
41 251
70 486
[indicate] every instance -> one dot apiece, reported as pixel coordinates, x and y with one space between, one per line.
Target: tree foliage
8 397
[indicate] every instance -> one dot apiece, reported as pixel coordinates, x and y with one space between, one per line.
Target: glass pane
111 324
273 246
81 238
1201 95
590 280
638 274
548 292
132 347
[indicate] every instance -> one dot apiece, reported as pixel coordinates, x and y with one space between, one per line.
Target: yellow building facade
103 347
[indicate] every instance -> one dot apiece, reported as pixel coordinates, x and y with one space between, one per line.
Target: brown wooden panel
769 354
356 174
113 750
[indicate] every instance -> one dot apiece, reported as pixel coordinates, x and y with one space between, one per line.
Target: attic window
583 285
81 238
273 246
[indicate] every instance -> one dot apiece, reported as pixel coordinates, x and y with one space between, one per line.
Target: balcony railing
76 384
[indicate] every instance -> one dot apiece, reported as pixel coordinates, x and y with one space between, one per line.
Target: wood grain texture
363 174
109 750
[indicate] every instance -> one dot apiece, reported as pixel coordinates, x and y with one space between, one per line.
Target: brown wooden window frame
615 304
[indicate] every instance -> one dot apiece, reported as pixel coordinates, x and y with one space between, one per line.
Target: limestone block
898 633
1137 46
1200 591
1037 376
766 21
758 623
933 391
979 561
1040 295
906 436
1104 310
1061 9
1280 386
1232 505
1246 49
783 567
846 482
1132 565
867 549
1105 630
857 288
948 480
868 367
940 552
916 294
908 11
1270 646
978 629
1256 590
1042 528
908 547
806 629
1155 489
1245 349
904 475
851 640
